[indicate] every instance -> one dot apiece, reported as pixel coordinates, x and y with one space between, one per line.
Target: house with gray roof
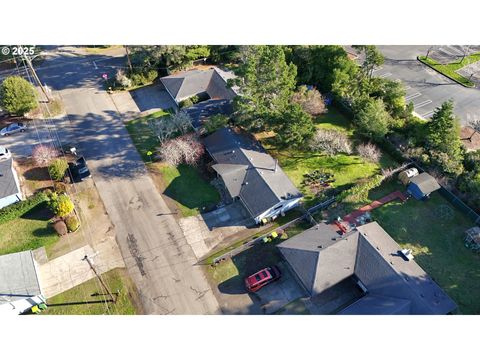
185 84
321 258
9 186
210 83
20 287
250 175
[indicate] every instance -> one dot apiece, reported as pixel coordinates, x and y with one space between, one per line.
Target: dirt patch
32 177
157 178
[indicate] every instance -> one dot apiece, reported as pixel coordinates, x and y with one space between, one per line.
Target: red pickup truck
261 278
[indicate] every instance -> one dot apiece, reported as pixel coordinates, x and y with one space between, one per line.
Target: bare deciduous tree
311 101
475 125
369 152
122 79
330 142
166 127
43 154
183 149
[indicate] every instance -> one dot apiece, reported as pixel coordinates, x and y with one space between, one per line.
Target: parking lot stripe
427 114
423 103
412 96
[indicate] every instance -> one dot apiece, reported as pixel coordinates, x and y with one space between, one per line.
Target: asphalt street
157 256
426 88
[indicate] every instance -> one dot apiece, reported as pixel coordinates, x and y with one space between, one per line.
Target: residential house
9 186
210 84
251 175
20 288
392 284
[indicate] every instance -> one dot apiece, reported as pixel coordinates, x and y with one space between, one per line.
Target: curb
449 77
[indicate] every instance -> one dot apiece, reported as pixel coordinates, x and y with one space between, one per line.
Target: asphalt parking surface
426 88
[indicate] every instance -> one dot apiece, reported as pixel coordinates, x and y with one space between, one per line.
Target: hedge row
22 207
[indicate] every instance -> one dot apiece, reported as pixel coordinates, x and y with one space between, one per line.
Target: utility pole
128 58
29 63
105 287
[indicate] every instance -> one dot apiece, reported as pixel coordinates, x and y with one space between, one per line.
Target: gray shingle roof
8 185
425 182
248 171
372 256
193 82
378 305
18 277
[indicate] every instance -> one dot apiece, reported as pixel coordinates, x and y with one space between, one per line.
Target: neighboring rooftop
18 277
186 84
202 110
8 184
248 171
372 256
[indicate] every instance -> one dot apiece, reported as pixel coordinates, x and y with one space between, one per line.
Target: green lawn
348 169
142 137
449 70
434 230
27 232
117 280
190 191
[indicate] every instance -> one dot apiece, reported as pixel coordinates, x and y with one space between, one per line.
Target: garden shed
422 185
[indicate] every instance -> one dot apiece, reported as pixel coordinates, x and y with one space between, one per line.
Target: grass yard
183 184
117 280
187 188
449 70
142 137
27 232
434 230
348 169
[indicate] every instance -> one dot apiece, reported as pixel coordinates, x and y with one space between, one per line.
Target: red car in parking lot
261 278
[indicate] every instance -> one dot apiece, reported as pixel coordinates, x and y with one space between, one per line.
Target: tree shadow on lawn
191 190
37 174
39 212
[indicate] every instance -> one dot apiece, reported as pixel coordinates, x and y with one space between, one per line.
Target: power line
63 154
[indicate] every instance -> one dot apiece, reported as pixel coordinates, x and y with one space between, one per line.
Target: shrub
122 79
72 223
330 142
311 101
151 75
60 187
17 95
60 227
369 152
22 207
57 169
186 103
215 122
43 154
359 193
61 205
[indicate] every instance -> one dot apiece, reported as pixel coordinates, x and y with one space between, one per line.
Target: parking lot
425 87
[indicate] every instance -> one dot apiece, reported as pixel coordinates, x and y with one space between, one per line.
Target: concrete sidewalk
69 270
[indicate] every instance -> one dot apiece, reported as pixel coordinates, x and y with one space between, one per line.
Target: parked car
13 128
4 153
261 278
78 170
